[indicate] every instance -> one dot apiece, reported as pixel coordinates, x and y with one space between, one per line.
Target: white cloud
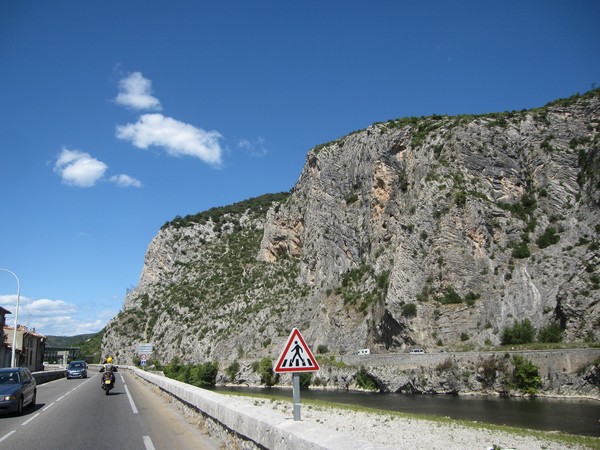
123 180
54 317
256 149
178 138
79 168
135 92
87 327
28 306
47 307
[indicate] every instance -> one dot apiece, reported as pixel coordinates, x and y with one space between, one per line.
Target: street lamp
14 343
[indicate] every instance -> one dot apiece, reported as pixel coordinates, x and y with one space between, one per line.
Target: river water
574 416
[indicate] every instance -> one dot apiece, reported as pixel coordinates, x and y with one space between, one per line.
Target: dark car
77 369
17 389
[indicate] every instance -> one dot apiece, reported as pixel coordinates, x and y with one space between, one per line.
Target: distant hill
67 341
89 344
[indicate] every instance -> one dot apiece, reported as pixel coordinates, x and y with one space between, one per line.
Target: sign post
296 395
296 357
144 351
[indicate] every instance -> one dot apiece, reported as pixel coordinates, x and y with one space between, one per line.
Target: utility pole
14 343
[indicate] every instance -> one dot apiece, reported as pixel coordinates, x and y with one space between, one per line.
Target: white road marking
133 407
148 443
47 406
49 382
30 419
7 435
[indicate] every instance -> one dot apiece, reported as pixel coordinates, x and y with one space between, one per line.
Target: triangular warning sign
296 356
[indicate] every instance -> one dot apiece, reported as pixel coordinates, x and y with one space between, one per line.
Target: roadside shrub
267 376
547 239
203 374
232 370
330 360
321 349
471 297
526 376
522 332
319 382
409 310
460 198
450 297
195 374
423 296
365 380
489 370
551 333
447 364
173 368
352 198
305 379
383 280
523 210
521 251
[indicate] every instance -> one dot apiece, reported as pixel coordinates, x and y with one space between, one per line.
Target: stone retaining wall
549 362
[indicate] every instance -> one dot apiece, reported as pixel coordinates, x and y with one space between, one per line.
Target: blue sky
116 116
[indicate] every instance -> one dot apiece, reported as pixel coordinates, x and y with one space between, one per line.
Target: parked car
77 369
417 351
17 389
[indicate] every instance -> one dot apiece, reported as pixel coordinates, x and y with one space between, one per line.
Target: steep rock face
437 231
500 209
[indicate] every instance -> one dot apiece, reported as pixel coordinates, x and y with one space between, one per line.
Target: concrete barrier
49 375
262 426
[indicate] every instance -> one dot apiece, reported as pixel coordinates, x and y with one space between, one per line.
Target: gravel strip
409 433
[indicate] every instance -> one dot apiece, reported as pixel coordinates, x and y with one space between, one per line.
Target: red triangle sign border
312 366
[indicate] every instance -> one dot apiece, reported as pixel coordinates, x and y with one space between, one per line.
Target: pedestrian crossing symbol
296 356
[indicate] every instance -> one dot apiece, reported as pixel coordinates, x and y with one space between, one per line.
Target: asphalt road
76 414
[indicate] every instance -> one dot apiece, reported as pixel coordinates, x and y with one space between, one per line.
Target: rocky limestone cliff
432 232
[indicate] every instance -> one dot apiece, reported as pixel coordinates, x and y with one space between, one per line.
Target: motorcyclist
108 368
108 365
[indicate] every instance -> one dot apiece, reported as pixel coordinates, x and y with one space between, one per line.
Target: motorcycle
108 381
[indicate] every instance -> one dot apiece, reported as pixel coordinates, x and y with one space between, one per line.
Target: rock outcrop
435 231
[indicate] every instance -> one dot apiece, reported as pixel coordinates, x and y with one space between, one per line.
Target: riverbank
594 396
402 431
560 373
577 416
